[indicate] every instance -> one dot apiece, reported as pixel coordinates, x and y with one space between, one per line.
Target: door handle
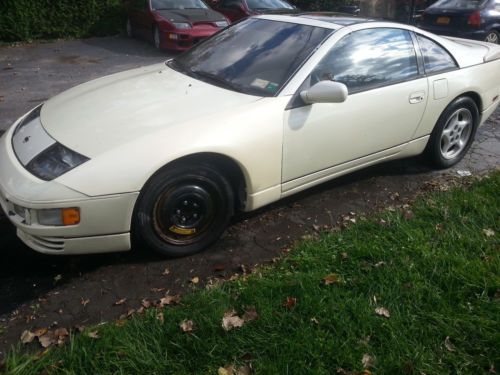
417 97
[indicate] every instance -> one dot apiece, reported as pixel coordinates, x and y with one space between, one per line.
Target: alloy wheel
456 133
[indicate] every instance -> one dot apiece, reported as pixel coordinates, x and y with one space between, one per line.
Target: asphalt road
41 291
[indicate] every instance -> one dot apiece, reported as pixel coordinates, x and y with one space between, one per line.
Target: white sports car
263 109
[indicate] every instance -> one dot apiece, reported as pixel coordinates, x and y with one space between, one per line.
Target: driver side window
369 58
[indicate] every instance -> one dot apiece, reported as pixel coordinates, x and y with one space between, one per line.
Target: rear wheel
453 134
184 209
493 37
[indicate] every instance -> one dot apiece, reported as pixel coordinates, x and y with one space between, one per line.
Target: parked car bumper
466 34
181 40
104 220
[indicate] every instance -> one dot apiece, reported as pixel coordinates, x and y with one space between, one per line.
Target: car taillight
475 19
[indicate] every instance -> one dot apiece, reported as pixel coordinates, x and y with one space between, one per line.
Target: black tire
156 37
493 36
438 152
183 209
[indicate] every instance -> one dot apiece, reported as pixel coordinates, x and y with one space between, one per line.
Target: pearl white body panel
131 124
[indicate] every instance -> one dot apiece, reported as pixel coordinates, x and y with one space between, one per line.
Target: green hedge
45 19
48 19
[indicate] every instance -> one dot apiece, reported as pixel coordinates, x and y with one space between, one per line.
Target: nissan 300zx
263 109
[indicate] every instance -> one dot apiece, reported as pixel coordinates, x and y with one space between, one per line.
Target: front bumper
105 220
185 39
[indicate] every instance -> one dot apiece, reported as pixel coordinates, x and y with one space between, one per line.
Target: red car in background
235 10
173 24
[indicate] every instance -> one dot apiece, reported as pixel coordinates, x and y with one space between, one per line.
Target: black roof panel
342 19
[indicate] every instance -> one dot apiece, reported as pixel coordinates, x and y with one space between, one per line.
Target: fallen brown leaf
382 311
40 332
120 302
166 271
232 370
27 337
93 335
290 302
488 232
170 300
231 320
250 314
244 370
160 317
226 370
332 278
157 290
408 215
80 328
61 332
84 302
47 340
367 361
195 280
187 325
146 303
448 344
344 255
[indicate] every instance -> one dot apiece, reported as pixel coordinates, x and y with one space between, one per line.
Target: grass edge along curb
393 294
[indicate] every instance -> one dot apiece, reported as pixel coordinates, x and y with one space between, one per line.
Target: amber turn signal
71 216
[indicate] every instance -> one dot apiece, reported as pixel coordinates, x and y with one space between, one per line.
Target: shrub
35 19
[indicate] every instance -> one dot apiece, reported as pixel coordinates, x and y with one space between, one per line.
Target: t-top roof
341 19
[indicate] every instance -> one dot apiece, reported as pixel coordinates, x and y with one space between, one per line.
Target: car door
386 101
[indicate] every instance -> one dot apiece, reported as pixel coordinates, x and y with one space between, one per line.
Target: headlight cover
54 162
221 23
39 153
34 114
181 25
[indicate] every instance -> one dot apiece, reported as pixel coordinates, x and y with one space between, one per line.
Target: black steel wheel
184 209
453 134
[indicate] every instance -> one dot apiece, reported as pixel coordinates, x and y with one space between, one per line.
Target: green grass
440 278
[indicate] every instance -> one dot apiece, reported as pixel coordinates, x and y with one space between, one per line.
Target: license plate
443 20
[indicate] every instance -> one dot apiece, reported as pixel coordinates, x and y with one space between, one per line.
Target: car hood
99 115
192 16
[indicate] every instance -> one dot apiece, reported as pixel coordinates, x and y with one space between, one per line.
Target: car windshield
458 4
178 4
268 4
256 56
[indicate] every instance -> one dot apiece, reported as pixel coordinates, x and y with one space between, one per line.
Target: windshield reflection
255 56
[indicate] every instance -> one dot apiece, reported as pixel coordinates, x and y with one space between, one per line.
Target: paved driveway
41 291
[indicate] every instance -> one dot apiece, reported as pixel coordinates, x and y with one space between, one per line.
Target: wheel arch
232 170
475 97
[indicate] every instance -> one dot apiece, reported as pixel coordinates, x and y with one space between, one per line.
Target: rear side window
369 58
436 58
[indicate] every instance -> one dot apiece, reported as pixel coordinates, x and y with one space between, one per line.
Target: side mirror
325 92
